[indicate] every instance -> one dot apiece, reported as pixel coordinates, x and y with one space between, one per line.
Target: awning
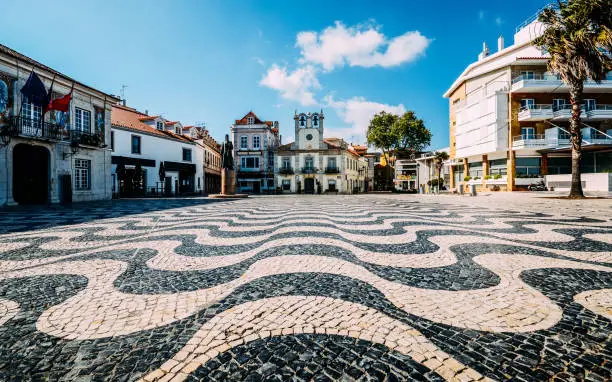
188 168
127 161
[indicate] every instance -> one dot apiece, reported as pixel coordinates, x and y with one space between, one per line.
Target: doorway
309 185
30 174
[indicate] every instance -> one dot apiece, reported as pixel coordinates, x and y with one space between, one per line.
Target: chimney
485 51
123 102
500 43
146 112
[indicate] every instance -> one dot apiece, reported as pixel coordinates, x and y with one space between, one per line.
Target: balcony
309 170
599 113
529 141
286 171
535 113
37 129
591 136
564 112
550 83
332 170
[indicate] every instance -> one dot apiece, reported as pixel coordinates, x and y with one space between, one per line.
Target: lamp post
5 136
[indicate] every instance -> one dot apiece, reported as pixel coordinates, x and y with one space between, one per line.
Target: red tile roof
130 118
244 120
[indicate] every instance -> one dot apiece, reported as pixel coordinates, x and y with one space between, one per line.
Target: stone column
544 165
511 170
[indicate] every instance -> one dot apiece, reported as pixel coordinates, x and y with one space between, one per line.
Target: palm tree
578 37
439 158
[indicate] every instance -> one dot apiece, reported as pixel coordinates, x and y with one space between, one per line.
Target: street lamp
5 136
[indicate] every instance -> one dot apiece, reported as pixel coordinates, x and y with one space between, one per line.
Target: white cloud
296 86
359 46
499 21
357 112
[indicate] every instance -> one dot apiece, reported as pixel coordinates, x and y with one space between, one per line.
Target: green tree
410 133
578 37
380 134
439 158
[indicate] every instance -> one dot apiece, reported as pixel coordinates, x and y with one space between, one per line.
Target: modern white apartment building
51 156
314 164
254 143
509 121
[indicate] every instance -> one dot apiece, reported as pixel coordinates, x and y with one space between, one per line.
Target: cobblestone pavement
367 287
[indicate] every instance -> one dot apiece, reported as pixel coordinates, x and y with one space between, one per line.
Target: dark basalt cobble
578 347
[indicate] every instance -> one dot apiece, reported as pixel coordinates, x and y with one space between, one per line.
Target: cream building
509 121
314 164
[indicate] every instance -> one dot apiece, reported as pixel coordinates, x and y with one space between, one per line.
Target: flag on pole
46 108
35 90
61 103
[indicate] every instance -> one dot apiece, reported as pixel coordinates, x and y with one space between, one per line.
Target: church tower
309 131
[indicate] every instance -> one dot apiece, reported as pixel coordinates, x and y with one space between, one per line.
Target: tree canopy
401 134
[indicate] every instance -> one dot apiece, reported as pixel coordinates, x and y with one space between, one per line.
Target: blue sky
213 61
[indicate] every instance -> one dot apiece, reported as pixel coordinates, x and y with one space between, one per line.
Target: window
528 75
244 143
496 166
528 132
112 141
250 120
302 120
136 144
331 185
286 184
527 103
82 169
187 155
527 166
308 162
33 113
315 120
249 162
82 120
178 131
589 104
256 141
286 163
558 104
160 125
331 163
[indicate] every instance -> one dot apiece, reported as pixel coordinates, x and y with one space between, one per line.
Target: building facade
212 164
254 143
427 171
406 175
314 164
509 122
150 156
54 156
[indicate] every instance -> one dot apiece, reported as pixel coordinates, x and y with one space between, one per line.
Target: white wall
591 182
158 149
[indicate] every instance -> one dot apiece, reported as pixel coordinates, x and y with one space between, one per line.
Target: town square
261 190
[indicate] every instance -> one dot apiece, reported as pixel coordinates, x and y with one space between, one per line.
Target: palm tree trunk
576 89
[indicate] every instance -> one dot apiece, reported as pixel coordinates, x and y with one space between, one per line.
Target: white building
427 171
254 143
144 142
55 156
314 163
509 121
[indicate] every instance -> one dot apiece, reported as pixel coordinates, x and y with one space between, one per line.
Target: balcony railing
38 129
529 140
534 77
309 170
332 170
535 112
286 171
600 112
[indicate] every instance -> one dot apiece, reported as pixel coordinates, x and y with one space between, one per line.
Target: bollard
473 190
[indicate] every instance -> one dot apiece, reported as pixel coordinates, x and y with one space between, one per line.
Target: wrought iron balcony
332 170
37 129
309 170
286 171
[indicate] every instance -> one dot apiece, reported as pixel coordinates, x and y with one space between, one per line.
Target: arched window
315 120
302 120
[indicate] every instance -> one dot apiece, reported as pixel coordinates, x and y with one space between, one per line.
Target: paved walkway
381 287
